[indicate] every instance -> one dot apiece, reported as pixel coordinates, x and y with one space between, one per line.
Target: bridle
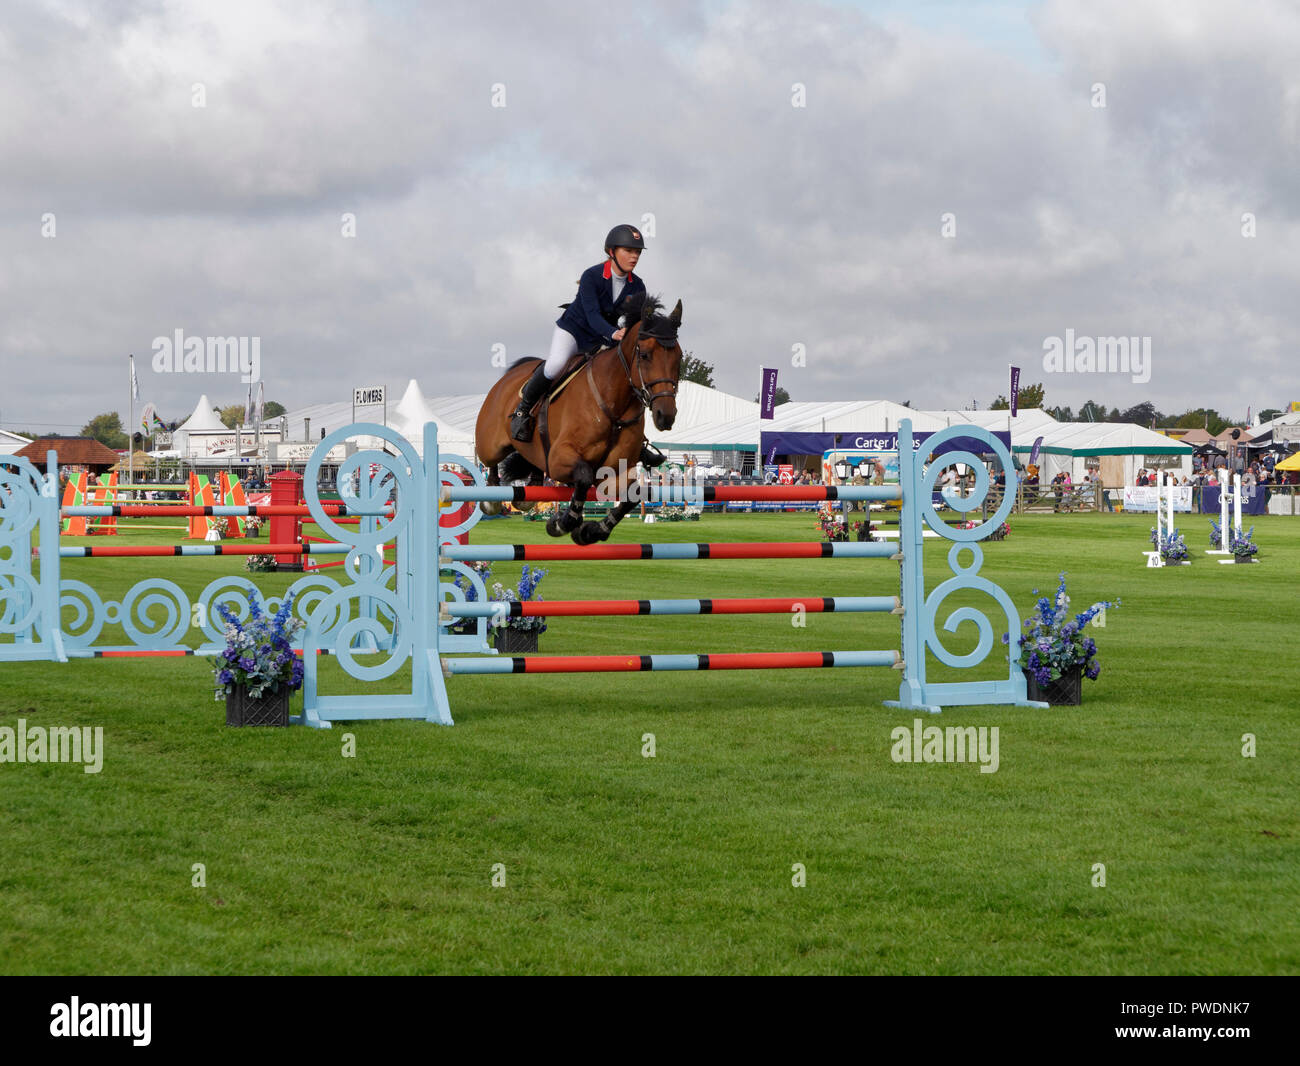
644 398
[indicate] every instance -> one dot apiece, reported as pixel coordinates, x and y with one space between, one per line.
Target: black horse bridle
644 397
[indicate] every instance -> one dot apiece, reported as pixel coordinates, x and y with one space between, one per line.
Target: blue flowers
1171 546
259 652
1053 642
470 588
1243 544
529 579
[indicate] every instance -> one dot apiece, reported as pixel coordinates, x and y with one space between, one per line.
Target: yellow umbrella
1291 462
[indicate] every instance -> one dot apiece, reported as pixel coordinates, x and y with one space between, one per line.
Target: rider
589 321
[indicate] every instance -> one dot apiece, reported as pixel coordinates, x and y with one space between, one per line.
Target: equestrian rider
588 322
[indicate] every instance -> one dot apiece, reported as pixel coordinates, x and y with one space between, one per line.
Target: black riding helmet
624 237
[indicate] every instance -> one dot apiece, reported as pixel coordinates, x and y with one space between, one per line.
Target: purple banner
1015 390
767 398
1033 455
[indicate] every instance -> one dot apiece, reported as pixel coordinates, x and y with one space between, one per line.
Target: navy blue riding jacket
593 314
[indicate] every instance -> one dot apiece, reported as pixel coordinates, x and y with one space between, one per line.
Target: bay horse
594 429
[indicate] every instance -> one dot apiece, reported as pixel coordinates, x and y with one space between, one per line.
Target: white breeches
563 345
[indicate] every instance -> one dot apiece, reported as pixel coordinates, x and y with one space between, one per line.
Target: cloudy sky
916 193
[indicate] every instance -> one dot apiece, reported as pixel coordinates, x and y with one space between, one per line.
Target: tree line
1142 414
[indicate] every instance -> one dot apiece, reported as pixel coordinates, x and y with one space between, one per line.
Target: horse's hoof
590 533
491 508
553 528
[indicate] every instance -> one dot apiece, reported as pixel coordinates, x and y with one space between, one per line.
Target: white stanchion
1229 489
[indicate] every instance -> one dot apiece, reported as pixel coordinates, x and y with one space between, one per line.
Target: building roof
72 451
1105 438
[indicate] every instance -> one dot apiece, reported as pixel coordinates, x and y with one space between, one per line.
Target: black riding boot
521 423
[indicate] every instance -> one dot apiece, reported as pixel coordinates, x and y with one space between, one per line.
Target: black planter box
1065 691
1243 558
516 641
271 708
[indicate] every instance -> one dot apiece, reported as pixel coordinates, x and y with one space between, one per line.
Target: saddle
575 366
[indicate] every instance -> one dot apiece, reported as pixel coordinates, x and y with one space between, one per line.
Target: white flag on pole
135 385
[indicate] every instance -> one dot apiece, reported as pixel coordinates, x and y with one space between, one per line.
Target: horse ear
676 317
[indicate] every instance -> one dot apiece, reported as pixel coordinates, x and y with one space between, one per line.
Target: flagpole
130 431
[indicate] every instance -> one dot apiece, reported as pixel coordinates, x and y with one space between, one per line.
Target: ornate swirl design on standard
20 492
88 613
447 534
371 633
973 502
383 482
450 592
966 578
18 592
309 593
137 614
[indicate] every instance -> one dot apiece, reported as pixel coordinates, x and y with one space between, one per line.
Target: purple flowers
259 650
1053 642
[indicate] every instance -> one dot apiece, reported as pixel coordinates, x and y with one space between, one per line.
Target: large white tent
1120 448
413 412
203 434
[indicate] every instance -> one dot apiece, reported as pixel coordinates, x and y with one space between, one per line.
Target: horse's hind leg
570 519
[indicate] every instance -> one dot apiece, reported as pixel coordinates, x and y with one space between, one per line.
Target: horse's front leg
570 518
622 481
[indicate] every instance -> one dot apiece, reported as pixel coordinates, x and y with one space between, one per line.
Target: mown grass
682 863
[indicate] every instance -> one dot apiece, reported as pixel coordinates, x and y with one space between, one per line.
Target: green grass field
682 863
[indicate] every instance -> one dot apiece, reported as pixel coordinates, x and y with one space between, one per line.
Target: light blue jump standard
920 611
394 610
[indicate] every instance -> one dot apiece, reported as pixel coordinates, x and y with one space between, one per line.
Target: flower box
511 641
1065 691
271 708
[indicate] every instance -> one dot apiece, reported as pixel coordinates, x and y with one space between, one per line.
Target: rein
642 397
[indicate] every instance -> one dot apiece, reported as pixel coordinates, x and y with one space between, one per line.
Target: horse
594 429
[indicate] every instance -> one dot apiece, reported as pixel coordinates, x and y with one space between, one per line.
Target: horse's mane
640 303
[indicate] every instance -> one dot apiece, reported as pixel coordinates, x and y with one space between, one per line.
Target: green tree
1206 418
1269 413
107 429
1061 414
275 410
1143 414
231 416
1092 411
1030 396
696 370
